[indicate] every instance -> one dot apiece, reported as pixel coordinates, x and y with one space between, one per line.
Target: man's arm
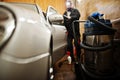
75 15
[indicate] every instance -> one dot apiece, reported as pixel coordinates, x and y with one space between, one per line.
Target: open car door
58 32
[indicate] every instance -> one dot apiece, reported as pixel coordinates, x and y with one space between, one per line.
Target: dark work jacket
75 15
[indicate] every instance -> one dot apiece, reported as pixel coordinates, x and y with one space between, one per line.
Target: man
71 14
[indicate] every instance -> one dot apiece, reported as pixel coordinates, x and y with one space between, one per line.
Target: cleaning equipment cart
98 48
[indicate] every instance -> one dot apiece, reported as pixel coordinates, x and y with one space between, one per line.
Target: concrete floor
64 71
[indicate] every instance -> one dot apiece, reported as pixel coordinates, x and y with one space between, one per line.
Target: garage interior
75 70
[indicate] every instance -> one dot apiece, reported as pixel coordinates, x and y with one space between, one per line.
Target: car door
58 31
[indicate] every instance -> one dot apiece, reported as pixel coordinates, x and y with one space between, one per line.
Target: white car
30 42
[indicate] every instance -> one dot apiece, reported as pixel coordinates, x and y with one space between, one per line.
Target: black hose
100 23
94 48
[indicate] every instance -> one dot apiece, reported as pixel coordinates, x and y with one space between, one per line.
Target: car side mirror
56 19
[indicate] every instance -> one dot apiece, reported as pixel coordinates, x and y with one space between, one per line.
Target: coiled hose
109 45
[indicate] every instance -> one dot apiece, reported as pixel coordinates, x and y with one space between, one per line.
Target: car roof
30 6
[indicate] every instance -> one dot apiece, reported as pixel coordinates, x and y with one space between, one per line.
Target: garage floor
65 71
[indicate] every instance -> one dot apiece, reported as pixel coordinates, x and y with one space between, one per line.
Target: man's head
69 4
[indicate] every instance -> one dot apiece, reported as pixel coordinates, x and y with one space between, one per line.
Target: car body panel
26 54
28 27
26 71
26 50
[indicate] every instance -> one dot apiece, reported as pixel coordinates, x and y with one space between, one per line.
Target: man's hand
68 17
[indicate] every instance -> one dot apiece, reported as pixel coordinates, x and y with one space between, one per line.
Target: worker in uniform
71 14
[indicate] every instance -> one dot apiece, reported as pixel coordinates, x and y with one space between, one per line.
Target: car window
51 11
53 17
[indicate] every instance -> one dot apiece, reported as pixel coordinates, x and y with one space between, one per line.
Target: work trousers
70 46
